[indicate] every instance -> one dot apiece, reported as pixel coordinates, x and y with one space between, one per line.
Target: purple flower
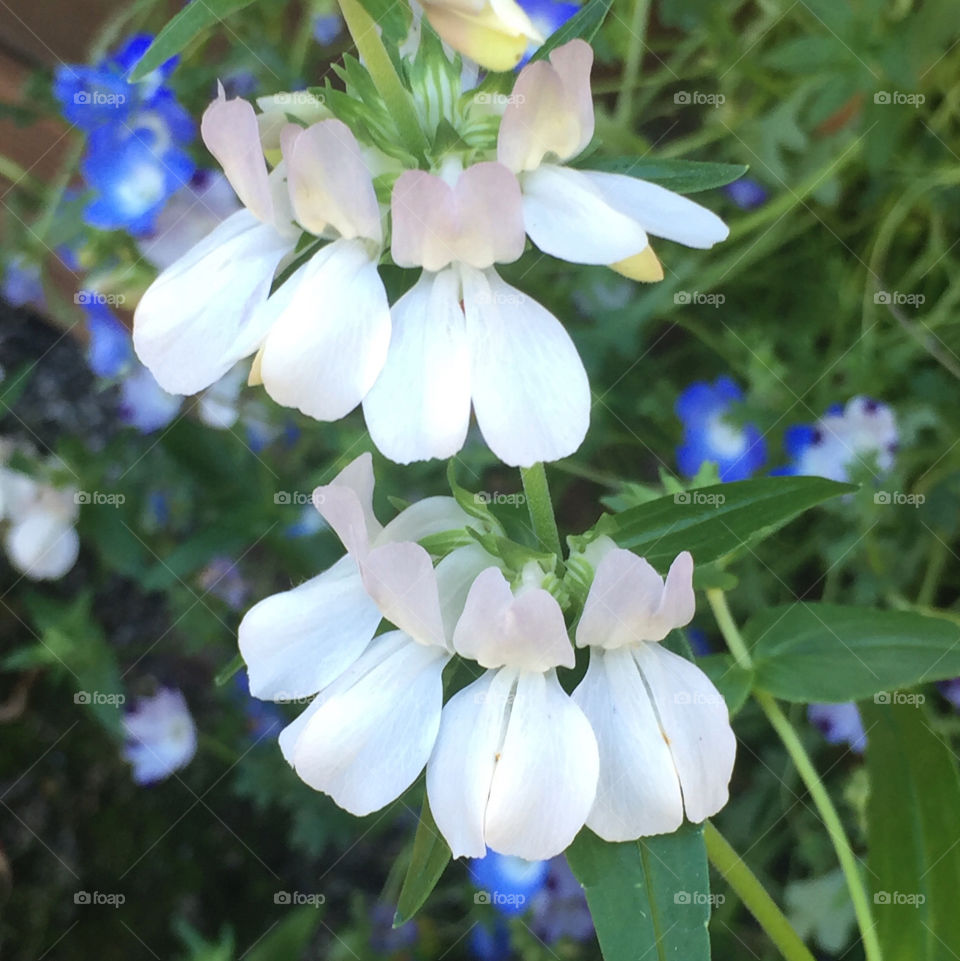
746 193
839 724
161 736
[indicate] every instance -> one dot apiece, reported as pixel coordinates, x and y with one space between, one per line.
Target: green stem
939 554
631 64
541 509
809 776
375 58
754 896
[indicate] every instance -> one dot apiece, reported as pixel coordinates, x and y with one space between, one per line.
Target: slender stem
938 558
363 29
541 509
808 773
754 896
631 64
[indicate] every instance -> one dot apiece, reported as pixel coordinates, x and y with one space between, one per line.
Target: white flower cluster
512 761
293 279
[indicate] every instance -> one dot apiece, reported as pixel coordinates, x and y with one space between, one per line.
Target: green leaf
913 823
731 680
192 20
715 521
830 652
584 24
681 176
650 898
394 18
429 858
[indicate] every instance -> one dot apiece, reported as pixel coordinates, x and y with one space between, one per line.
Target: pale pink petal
346 504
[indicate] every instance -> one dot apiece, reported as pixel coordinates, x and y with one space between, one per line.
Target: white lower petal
189 321
370 733
327 347
638 793
696 723
299 641
566 216
432 515
419 407
530 391
545 782
461 767
659 211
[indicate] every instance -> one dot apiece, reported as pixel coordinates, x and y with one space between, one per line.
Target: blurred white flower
462 335
161 736
515 765
40 540
587 216
666 745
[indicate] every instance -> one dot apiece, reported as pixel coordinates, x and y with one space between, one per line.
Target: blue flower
709 436
863 434
160 736
560 910
547 16
21 283
109 351
839 724
508 883
263 719
144 404
490 943
327 27
746 193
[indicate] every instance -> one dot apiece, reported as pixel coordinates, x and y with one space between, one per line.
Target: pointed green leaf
430 856
650 899
681 176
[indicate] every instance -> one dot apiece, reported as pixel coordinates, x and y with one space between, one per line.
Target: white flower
515 764
585 216
41 540
461 334
664 734
368 733
161 736
196 320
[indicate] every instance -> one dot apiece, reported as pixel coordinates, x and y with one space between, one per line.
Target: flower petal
419 407
346 504
482 35
659 211
324 352
432 515
401 580
42 545
638 792
545 780
455 576
526 632
372 731
230 130
460 769
297 642
330 184
189 323
530 390
566 216
696 724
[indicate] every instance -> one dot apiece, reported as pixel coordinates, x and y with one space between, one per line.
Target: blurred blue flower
327 27
161 736
698 641
490 943
951 691
109 351
144 404
136 134
222 578
839 724
508 883
547 16
21 283
746 193
264 720
384 937
560 908
862 434
708 435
